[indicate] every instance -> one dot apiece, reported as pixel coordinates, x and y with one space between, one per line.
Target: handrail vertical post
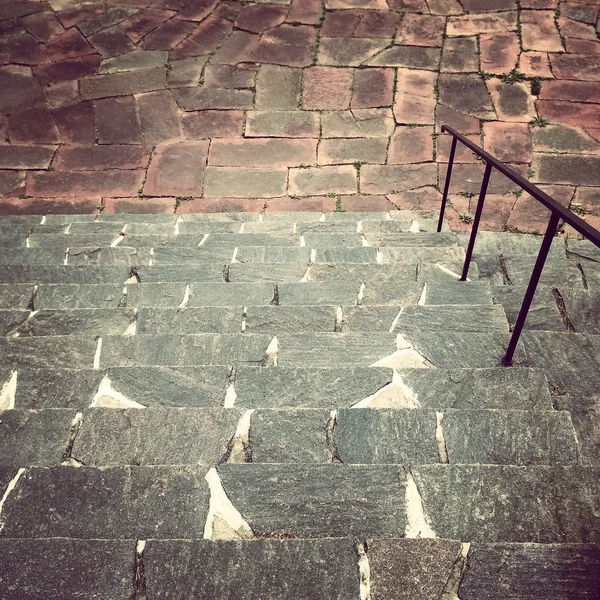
482 193
447 184
531 288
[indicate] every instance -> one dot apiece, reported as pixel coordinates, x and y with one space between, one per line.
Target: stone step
401 568
539 504
446 349
585 416
282 387
191 436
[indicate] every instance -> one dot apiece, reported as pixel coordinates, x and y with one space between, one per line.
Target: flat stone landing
292 406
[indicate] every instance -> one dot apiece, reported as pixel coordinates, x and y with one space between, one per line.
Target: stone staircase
294 406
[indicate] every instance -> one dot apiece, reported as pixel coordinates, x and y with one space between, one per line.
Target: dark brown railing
557 211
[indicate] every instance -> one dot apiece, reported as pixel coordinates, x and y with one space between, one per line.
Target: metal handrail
557 211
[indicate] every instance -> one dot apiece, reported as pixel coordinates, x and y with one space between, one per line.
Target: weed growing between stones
539 121
466 218
338 205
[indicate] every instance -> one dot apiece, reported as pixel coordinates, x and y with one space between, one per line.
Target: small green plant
530 173
201 81
539 121
514 76
557 12
536 86
485 76
358 164
331 195
578 209
466 194
412 125
338 205
466 218
436 92
517 193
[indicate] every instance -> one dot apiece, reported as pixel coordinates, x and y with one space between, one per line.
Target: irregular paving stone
509 438
214 124
278 88
34 437
294 124
580 91
112 42
185 72
499 52
262 153
348 52
535 64
466 93
159 119
155 436
508 141
212 98
177 169
361 123
289 436
133 61
111 503
323 180
209 570
561 138
410 568
460 55
119 84
367 436
91 158
327 88
33 125
410 145
292 387
538 504
581 306
415 57
385 179
243 183
189 350
569 113
554 571
25 157
373 88
570 169
539 32
365 500
482 23
414 110
74 184
513 101
66 568
16 296
421 30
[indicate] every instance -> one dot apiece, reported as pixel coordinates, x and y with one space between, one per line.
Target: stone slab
111 503
32 437
463 318
231 294
291 387
367 436
206 319
317 500
230 569
66 569
509 437
154 436
48 352
585 416
510 504
290 436
276 320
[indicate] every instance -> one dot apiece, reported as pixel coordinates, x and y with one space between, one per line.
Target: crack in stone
123 300
441 440
234 257
223 522
239 450
395 321
67 457
31 304
108 397
275 301
417 525
7 491
139 572
331 445
361 293
134 276
562 309
8 392
448 271
583 277
452 588
203 240
505 276
186 296
364 569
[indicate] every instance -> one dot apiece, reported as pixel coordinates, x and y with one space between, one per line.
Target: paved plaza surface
294 406
191 106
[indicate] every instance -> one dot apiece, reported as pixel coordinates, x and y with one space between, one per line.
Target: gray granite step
585 415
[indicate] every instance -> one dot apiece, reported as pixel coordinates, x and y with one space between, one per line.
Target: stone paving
291 406
211 105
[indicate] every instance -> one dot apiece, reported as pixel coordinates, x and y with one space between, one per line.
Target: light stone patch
108 397
393 395
223 521
416 520
11 486
241 439
8 392
405 357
